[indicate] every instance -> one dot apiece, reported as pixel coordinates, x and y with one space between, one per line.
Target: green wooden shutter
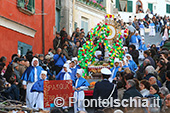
117 5
167 8
31 6
150 6
129 6
21 3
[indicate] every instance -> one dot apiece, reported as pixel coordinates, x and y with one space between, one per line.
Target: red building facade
21 26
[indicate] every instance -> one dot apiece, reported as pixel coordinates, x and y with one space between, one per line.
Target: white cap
116 60
44 72
68 61
74 58
65 65
124 48
136 32
80 71
98 53
106 71
143 38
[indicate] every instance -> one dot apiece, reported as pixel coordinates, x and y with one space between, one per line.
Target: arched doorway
139 6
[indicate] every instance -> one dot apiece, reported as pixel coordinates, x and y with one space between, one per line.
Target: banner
54 89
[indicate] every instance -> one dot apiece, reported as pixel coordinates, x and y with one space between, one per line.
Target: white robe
152 31
39 101
30 96
142 31
79 95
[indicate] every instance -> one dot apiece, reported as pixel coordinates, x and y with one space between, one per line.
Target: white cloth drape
123 4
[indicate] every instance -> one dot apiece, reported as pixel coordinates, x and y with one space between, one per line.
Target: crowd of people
22 79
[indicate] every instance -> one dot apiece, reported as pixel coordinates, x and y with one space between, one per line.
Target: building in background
87 13
132 8
21 26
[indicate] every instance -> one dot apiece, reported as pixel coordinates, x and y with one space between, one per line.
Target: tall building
87 13
128 8
25 26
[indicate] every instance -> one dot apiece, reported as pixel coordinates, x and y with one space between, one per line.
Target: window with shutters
150 6
167 8
57 14
23 48
26 6
84 24
130 6
124 5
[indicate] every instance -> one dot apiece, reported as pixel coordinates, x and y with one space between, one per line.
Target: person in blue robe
142 29
81 84
135 40
143 46
38 89
152 29
132 65
115 69
65 74
29 77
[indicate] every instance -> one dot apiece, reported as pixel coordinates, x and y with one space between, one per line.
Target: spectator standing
76 48
57 41
59 60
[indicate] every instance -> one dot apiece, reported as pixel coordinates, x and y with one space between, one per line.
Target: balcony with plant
98 4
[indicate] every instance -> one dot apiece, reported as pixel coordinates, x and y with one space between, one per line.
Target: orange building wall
9 38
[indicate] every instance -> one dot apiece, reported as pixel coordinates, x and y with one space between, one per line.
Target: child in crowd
38 88
142 48
80 85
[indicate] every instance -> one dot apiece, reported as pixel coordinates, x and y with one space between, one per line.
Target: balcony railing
98 4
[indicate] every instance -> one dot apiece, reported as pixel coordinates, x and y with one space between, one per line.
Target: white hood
34 60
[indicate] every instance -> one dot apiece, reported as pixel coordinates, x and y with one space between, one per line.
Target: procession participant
100 89
152 29
38 89
98 56
142 48
29 77
69 63
65 74
73 68
132 65
75 59
115 69
135 39
80 85
142 29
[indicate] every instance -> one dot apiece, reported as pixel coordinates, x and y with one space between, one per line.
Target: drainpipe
43 42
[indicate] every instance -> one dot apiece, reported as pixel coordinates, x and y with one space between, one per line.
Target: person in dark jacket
57 41
100 89
167 74
131 90
76 48
147 56
134 53
12 91
65 52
